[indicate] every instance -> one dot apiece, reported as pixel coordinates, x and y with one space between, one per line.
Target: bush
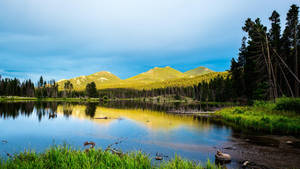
177 97
288 104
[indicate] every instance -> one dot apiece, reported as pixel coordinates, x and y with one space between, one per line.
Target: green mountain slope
184 82
100 78
198 71
157 74
154 78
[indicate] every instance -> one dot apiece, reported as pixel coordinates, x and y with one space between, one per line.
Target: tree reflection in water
49 109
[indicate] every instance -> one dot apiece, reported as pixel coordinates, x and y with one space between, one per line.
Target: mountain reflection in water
143 126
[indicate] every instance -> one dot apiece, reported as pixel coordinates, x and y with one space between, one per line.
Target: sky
61 39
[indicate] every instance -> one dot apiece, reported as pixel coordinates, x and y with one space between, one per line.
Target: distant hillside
154 78
157 74
79 83
198 71
184 82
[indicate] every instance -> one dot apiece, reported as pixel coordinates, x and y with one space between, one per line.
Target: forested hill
153 78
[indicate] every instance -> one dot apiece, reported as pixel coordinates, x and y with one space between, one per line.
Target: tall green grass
267 116
62 157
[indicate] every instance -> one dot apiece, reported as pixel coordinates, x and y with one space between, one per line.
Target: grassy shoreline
264 116
62 157
158 100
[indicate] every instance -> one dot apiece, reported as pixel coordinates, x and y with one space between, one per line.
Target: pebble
245 163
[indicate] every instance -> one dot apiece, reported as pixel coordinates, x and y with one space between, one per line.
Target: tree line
268 63
43 89
14 87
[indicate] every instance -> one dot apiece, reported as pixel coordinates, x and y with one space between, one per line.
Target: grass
265 116
61 157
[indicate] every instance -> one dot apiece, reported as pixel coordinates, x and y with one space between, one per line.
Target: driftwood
113 150
108 148
105 118
91 144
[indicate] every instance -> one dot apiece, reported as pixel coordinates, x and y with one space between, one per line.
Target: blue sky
67 38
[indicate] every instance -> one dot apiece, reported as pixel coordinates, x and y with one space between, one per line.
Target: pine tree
290 47
91 90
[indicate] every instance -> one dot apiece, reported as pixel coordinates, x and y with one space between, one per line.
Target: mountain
99 78
157 74
198 71
153 78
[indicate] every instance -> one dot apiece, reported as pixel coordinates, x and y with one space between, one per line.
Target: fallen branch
91 143
101 118
114 151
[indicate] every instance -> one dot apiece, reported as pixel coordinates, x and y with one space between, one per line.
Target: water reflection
145 126
149 118
90 109
49 109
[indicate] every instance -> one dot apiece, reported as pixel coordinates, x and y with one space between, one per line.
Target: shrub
238 111
288 104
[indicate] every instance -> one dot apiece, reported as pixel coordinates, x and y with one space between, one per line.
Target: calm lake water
145 127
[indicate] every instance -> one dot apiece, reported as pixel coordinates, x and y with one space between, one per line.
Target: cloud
62 39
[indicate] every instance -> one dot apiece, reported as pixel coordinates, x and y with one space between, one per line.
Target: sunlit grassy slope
99 78
154 78
198 71
157 74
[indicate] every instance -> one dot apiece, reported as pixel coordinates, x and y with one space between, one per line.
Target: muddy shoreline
265 151
261 150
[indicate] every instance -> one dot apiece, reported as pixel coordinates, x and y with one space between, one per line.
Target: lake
139 126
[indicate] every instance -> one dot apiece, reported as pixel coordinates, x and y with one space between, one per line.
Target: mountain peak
201 70
99 78
158 74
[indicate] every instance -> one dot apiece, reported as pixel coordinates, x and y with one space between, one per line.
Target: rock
245 163
288 142
9 155
222 157
158 158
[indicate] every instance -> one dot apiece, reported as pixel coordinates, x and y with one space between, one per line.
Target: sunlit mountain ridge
153 78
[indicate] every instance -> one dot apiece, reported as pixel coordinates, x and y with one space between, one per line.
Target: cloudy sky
67 38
